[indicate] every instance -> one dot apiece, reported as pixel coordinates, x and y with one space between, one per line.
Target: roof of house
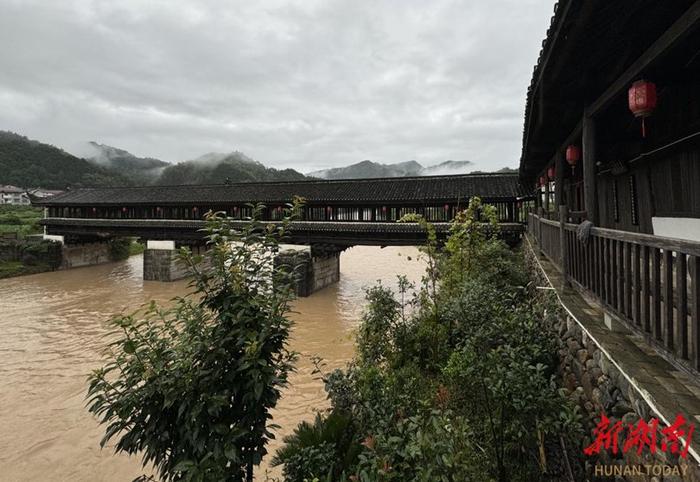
587 47
410 189
7 189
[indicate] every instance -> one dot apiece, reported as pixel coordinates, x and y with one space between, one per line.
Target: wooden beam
675 33
589 160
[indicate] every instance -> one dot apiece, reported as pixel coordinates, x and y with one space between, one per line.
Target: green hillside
220 168
140 170
28 163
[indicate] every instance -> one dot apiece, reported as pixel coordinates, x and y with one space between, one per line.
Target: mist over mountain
370 169
140 170
28 163
217 168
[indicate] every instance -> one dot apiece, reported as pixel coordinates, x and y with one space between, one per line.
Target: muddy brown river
51 337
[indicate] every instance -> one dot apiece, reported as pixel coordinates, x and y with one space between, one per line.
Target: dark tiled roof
410 189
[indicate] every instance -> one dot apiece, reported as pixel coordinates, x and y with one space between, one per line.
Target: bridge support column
316 269
161 262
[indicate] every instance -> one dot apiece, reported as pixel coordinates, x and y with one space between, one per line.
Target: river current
52 328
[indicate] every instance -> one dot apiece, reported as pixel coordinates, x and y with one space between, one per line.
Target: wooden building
617 85
436 198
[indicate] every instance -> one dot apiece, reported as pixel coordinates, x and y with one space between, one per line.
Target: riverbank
32 255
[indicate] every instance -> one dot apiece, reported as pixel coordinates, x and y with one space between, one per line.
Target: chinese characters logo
675 438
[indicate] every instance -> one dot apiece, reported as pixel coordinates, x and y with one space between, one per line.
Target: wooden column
559 179
563 214
589 159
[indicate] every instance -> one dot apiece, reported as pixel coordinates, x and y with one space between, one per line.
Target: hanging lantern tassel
641 99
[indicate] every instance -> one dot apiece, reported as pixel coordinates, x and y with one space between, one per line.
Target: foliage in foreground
190 387
456 384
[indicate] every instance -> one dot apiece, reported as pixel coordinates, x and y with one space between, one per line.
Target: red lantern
641 98
123 210
550 173
194 209
383 209
542 181
94 210
573 155
447 207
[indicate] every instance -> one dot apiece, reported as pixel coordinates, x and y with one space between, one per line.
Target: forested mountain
28 163
215 168
140 170
409 168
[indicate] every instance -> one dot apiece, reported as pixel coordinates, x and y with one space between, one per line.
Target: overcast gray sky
307 84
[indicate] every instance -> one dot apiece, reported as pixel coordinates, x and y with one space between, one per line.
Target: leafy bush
46 252
324 449
191 386
119 248
463 387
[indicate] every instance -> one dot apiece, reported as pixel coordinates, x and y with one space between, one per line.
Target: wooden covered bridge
336 214
611 148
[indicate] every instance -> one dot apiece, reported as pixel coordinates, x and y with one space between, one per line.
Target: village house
13 195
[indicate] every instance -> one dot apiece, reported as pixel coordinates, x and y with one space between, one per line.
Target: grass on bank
23 220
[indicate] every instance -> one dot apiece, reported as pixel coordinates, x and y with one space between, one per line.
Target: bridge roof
384 190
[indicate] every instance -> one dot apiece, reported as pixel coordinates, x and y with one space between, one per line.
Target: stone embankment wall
85 254
592 379
45 253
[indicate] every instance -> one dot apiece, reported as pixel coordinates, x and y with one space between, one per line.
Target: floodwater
51 337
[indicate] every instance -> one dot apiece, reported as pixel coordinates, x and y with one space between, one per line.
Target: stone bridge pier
161 261
317 268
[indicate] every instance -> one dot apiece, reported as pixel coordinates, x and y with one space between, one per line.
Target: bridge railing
650 282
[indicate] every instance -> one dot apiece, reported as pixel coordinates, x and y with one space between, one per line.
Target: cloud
308 84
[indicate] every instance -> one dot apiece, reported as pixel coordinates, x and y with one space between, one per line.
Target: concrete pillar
161 261
314 271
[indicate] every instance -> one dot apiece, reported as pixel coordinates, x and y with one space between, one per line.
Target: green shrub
191 387
119 248
325 449
463 387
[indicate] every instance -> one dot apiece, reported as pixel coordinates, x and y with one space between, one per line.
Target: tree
191 386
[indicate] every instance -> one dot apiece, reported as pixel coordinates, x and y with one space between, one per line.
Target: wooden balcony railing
650 282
